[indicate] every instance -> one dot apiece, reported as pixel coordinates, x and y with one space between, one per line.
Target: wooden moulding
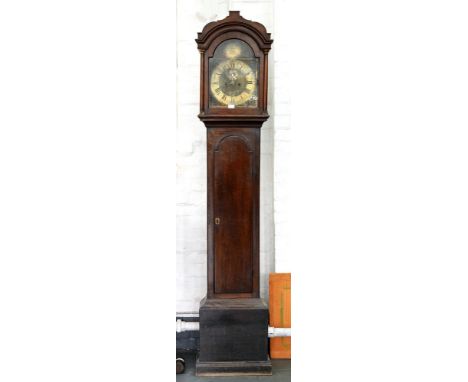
254 34
234 21
227 369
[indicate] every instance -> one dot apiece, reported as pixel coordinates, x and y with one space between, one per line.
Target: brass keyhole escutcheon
217 221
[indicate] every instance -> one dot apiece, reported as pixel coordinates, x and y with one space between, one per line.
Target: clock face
233 79
233 82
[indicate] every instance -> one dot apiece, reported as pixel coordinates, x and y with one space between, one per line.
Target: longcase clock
233 107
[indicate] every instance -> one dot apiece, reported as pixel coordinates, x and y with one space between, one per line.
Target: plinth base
233 337
220 369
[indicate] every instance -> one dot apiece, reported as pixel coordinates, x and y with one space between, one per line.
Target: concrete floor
281 373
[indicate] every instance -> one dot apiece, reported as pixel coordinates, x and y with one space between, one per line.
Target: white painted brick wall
282 153
192 15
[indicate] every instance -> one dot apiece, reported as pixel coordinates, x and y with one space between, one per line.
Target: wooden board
280 313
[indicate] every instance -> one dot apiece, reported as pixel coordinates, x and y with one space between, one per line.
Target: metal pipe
279 332
184 326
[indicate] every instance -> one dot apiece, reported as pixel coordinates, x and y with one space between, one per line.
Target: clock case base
233 337
227 369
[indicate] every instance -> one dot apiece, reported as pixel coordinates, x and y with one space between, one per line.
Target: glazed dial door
233 76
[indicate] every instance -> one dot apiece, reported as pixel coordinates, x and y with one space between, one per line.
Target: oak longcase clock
233 107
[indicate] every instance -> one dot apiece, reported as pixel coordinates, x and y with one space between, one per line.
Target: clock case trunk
233 317
233 158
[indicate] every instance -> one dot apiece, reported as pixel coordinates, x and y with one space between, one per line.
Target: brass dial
233 82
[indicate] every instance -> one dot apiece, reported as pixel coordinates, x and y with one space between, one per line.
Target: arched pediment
234 23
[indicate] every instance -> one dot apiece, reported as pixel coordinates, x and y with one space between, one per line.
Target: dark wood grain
256 36
233 189
233 164
233 330
233 319
233 210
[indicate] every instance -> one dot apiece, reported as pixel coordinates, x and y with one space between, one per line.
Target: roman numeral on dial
229 77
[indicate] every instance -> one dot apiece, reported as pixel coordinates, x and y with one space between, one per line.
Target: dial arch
233 75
